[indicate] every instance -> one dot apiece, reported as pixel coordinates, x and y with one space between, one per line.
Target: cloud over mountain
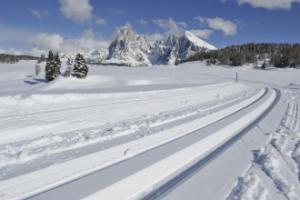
78 11
229 28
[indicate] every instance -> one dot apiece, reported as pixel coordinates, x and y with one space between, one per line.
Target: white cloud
88 41
170 25
270 4
228 27
78 11
100 21
47 41
35 52
142 21
202 33
183 24
39 13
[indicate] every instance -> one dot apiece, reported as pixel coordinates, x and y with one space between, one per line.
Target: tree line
8 58
278 55
76 68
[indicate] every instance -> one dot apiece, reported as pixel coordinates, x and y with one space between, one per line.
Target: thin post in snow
236 77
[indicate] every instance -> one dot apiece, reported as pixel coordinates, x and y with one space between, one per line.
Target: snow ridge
277 163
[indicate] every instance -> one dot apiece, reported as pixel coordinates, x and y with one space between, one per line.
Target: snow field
155 175
117 107
23 151
32 183
112 103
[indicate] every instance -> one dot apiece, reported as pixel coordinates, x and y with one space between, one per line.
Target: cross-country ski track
147 133
139 169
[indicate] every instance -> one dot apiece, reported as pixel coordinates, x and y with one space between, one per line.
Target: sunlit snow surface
46 125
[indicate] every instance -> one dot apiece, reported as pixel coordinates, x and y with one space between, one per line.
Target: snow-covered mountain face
179 48
96 56
129 48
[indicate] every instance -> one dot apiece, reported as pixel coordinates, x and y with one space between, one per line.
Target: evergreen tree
53 65
237 59
57 65
50 67
279 55
264 65
80 68
223 58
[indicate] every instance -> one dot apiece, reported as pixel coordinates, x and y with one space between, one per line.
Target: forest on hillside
278 55
9 58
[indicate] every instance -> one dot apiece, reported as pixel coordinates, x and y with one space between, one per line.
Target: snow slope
198 42
47 127
178 47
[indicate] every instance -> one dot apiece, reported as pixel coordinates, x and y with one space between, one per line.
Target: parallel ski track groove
176 181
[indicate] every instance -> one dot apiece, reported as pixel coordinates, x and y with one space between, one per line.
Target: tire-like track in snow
98 180
170 185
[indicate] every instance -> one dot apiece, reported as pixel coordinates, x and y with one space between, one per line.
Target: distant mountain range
132 49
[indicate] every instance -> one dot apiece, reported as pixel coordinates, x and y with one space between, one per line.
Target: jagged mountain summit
131 49
179 47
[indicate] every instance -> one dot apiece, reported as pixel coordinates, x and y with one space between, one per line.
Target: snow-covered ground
69 129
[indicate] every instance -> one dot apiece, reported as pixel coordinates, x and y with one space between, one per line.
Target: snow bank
249 187
36 99
92 82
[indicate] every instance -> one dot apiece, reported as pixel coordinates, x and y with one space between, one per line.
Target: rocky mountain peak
131 49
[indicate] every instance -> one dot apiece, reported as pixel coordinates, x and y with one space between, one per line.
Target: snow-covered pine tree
57 65
50 67
80 68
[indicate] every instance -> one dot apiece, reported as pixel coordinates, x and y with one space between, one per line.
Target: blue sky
42 24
